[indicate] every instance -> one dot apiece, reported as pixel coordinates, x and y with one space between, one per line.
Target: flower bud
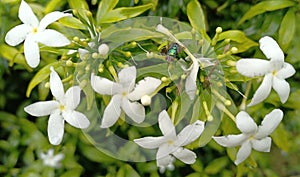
219 30
146 100
103 49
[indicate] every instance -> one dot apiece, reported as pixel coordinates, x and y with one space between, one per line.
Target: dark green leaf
287 29
265 6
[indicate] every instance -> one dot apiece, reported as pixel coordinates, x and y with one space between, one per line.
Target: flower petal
190 133
164 162
253 67
185 155
56 86
144 87
26 15
17 34
150 142
76 119
190 83
72 97
55 128
112 112
134 110
262 145
50 18
287 71
282 87
243 153
105 86
245 123
165 150
269 123
271 49
41 108
127 77
263 90
31 51
165 124
52 38
230 140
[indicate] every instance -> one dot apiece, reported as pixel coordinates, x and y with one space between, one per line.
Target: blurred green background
24 138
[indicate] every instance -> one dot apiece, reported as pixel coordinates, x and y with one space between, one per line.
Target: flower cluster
131 96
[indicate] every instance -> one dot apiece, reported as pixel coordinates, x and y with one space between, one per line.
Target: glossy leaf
72 22
13 55
196 15
53 4
40 76
287 29
243 43
265 6
123 13
78 4
104 7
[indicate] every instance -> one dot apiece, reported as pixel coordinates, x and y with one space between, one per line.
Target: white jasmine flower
190 83
49 159
125 95
274 71
60 110
33 32
171 145
251 136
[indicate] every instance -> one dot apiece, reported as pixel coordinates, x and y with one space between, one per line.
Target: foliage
128 28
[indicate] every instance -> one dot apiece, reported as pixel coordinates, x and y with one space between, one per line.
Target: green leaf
281 138
196 15
41 75
287 29
72 173
104 7
242 42
94 154
216 165
129 171
53 4
13 55
265 6
123 13
78 4
72 22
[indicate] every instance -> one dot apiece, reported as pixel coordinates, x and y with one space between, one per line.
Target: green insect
172 52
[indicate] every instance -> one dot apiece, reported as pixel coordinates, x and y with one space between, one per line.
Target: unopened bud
146 100
69 63
234 50
219 30
103 49
47 85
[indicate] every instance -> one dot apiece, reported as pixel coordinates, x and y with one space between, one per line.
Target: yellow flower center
274 73
170 142
124 94
61 107
34 30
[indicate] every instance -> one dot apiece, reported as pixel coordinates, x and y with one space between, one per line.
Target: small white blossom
125 95
190 83
60 110
251 136
33 32
274 71
103 49
171 145
49 159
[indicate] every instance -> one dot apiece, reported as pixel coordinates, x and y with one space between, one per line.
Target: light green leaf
265 6
78 4
123 13
104 7
287 29
196 15
94 154
243 43
216 165
53 4
13 55
72 22
41 75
